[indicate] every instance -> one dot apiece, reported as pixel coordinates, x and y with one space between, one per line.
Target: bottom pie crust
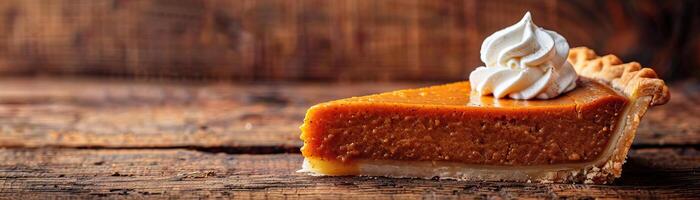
603 170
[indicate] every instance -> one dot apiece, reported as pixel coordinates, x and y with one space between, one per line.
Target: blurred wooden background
339 40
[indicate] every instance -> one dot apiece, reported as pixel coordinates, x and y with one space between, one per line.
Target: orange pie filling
444 124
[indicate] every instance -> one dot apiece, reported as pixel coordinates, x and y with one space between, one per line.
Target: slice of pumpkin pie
538 111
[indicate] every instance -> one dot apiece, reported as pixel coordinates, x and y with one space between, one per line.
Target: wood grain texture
90 113
67 173
322 40
128 114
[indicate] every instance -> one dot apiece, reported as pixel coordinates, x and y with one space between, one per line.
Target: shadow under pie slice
580 136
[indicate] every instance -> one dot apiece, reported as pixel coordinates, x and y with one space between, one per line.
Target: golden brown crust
628 78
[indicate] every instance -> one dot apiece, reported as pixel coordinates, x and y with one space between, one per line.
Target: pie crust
640 85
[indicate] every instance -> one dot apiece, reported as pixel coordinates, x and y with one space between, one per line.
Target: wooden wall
335 40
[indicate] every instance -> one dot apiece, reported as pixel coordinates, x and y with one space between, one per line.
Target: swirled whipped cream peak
524 61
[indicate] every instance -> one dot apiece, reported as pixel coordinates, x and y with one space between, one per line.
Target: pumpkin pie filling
406 125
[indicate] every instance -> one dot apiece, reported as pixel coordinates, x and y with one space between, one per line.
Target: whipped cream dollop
524 61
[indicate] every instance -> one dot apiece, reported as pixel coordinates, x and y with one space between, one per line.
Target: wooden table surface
87 138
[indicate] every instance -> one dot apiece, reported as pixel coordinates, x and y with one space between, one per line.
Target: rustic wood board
137 114
36 113
56 173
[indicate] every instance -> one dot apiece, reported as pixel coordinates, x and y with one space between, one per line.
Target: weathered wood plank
91 113
41 173
35 113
